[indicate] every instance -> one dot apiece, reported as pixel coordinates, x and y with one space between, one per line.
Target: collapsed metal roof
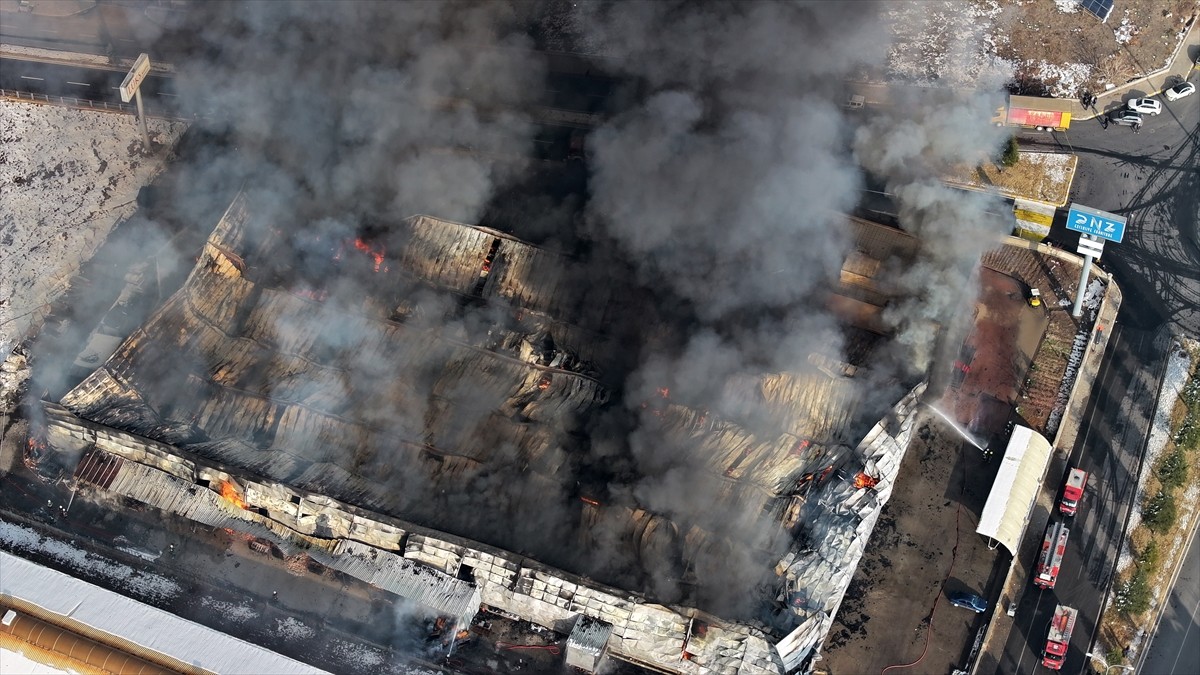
366 401
448 576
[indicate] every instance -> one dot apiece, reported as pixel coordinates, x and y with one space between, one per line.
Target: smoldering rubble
692 316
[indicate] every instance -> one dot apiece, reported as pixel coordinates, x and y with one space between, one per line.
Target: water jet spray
957 427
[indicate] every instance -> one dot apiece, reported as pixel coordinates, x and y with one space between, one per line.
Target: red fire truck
1073 491
1053 547
1061 627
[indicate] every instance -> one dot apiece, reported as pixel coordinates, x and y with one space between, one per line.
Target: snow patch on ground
1126 31
144 555
239 613
1057 166
139 584
68 176
291 628
1178 368
1067 6
950 43
359 655
1063 80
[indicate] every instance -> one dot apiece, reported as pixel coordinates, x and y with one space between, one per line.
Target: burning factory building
437 436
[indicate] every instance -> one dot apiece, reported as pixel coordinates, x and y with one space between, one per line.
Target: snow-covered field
68 176
140 584
949 42
1054 48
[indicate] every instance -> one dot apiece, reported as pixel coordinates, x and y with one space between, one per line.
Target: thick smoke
922 137
369 110
727 184
721 191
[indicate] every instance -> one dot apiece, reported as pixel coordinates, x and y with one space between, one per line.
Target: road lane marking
39 79
81 84
1183 642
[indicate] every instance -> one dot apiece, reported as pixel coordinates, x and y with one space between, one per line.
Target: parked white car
1146 106
1180 90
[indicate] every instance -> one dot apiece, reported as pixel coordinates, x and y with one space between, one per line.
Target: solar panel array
1101 8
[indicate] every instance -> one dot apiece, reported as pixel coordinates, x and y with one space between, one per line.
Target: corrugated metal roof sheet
425 586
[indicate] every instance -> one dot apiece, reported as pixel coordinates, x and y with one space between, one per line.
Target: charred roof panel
444 253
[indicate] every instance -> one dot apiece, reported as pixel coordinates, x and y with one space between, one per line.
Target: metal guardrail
87 104
67 101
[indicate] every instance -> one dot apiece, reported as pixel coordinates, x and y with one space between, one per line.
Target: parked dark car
969 601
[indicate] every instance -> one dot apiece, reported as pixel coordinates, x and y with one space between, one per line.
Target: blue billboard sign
1096 223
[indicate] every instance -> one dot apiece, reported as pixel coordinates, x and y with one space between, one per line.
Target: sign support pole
131 88
1077 309
137 96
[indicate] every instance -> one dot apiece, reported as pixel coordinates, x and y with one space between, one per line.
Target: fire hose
953 556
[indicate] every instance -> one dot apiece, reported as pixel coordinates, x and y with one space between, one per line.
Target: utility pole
131 88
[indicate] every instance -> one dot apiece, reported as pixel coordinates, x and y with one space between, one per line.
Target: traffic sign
1090 246
1096 223
134 79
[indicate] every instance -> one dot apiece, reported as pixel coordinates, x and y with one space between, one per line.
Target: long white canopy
1017 483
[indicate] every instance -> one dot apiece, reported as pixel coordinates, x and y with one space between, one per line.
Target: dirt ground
925 546
1057 281
1139 37
925 536
996 357
1040 176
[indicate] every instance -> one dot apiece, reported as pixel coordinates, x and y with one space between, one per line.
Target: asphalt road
1176 646
1109 448
122 28
93 84
1151 177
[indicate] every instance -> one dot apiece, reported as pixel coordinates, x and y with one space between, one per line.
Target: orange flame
800 447
231 494
862 480
664 392
588 500
373 250
462 635
544 383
